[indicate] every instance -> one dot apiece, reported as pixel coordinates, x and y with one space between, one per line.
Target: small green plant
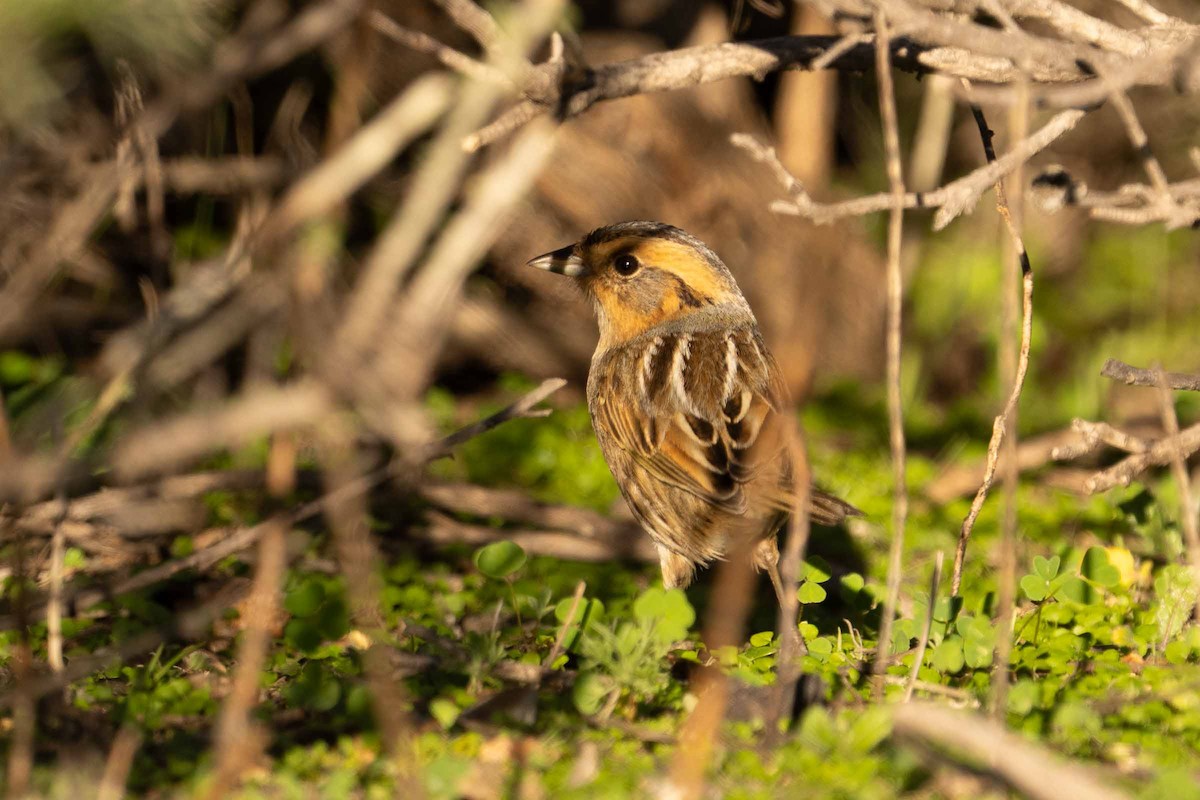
501 561
628 660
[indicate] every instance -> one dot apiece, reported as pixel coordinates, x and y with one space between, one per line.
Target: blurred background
146 319
75 71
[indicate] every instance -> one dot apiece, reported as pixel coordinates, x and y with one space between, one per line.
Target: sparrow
687 403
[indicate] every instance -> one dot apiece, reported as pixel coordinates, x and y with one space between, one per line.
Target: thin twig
791 646
244 538
1096 434
474 20
1158 454
358 557
1013 250
370 150
895 300
923 642
1136 376
951 200
118 763
1148 12
434 186
999 425
521 409
54 606
239 741
1187 504
723 627
423 42
1034 771
576 599
1175 215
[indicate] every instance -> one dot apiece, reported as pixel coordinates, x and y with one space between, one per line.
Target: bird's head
643 274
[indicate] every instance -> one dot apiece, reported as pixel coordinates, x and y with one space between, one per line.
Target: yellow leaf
1125 564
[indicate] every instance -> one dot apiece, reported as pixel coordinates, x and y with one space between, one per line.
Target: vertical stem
1187 504
934 583
54 604
723 627
24 709
891 140
790 644
1009 363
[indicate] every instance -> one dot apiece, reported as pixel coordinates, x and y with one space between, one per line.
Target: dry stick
169 443
24 711
1175 216
371 149
1074 25
1159 453
244 538
448 56
895 291
1135 376
1130 204
239 741
631 544
919 658
951 200
791 646
186 625
473 20
434 186
1148 12
1187 505
1013 250
576 599
237 58
999 425
733 584
118 763
357 557
420 325
1034 771
54 606
521 409
1095 434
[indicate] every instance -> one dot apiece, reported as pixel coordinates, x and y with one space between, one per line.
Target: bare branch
1159 454
255 413
951 200
919 658
448 56
359 159
1187 505
1135 376
971 739
895 305
1000 424
472 19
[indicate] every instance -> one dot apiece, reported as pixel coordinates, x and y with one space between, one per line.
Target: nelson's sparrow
686 401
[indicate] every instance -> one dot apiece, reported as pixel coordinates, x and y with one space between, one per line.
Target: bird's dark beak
563 261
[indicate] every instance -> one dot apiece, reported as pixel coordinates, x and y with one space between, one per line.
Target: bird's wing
707 417
708 421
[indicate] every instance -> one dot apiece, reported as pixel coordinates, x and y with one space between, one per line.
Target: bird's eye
626 264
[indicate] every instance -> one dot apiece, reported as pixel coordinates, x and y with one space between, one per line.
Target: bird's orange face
640 277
